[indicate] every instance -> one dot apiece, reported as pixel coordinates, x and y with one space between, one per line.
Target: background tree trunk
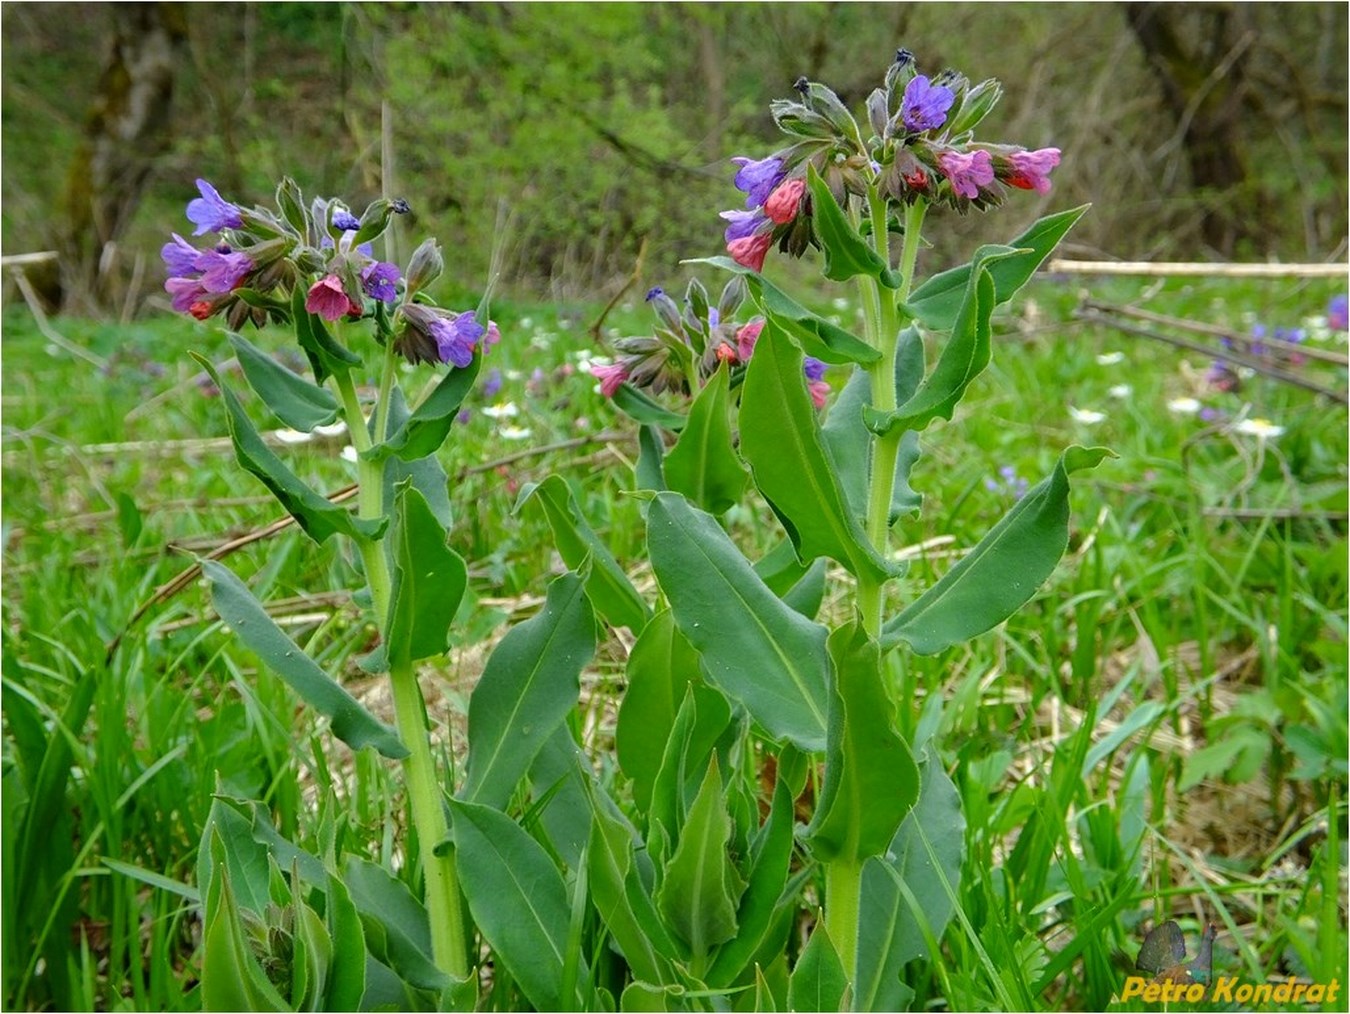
126 131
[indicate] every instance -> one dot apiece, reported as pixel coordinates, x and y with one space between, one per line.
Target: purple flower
743 224
465 414
714 317
180 256
222 271
967 170
925 105
211 212
378 279
345 220
185 292
456 337
757 178
813 368
1031 169
1338 313
492 384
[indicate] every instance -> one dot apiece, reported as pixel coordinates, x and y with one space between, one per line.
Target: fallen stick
1198 269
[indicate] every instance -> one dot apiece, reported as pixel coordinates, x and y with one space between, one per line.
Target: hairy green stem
843 898
448 941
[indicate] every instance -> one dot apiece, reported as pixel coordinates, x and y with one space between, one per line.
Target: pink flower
610 377
746 338
725 353
820 391
749 252
783 203
1031 169
329 299
185 292
968 171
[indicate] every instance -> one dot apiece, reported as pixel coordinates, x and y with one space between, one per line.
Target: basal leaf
347 971
703 464
871 781
781 440
703 717
350 722
429 579
757 649
937 301
395 924
607 586
846 253
1001 573
527 688
292 399
518 900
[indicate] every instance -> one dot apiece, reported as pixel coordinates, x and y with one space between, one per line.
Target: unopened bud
425 267
374 221
292 205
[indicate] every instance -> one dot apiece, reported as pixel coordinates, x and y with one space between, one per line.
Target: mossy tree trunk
126 129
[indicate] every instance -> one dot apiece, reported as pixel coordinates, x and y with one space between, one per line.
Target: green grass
1160 733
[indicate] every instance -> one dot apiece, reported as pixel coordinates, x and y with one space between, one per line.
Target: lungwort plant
769 839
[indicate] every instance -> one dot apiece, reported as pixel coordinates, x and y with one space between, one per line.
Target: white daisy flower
1121 391
1262 429
502 410
289 436
1086 416
334 429
527 322
349 454
1110 358
1183 406
514 432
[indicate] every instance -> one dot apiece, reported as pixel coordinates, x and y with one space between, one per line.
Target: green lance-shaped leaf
819 981
703 464
754 647
871 780
821 338
292 399
518 900
429 579
769 858
937 302
889 931
326 355
661 666
649 472
607 586
622 899
698 895
427 475
646 410
1001 573
529 685
347 970
847 254
781 440
232 979
425 430
350 722
395 924
239 850
963 358
316 514
703 717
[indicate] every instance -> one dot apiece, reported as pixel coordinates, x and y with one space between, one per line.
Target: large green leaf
890 933
347 971
661 666
292 399
701 886
245 857
559 779
821 338
1001 573
527 688
768 657
819 980
395 924
425 430
936 303
607 586
426 474
769 860
350 722
781 440
645 410
963 357
846 253
871 780
316 514
703 464
518 901
326 355
429 579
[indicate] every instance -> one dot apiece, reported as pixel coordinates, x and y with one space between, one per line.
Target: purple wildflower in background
456 337
465 414
492 384
1259 333
345 220
180 256
967 170
211 212
1338 313
222 271
815 377
1008 482
757 179
379 279
925 105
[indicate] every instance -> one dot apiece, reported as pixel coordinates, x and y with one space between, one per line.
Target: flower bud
424 268
975 106
782 205
795 118
291 203
733 295
902 71
665 309
375 220
878 111
824 101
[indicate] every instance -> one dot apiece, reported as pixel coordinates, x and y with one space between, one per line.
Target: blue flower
211 212
813 368
757 179
925 105
180 257
456 337
492 384
345 220
379 279
743 224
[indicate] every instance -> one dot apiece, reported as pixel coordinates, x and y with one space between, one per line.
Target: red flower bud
784 202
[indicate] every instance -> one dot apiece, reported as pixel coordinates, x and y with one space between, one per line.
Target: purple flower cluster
432 335
1008 483
200 280
1338 313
